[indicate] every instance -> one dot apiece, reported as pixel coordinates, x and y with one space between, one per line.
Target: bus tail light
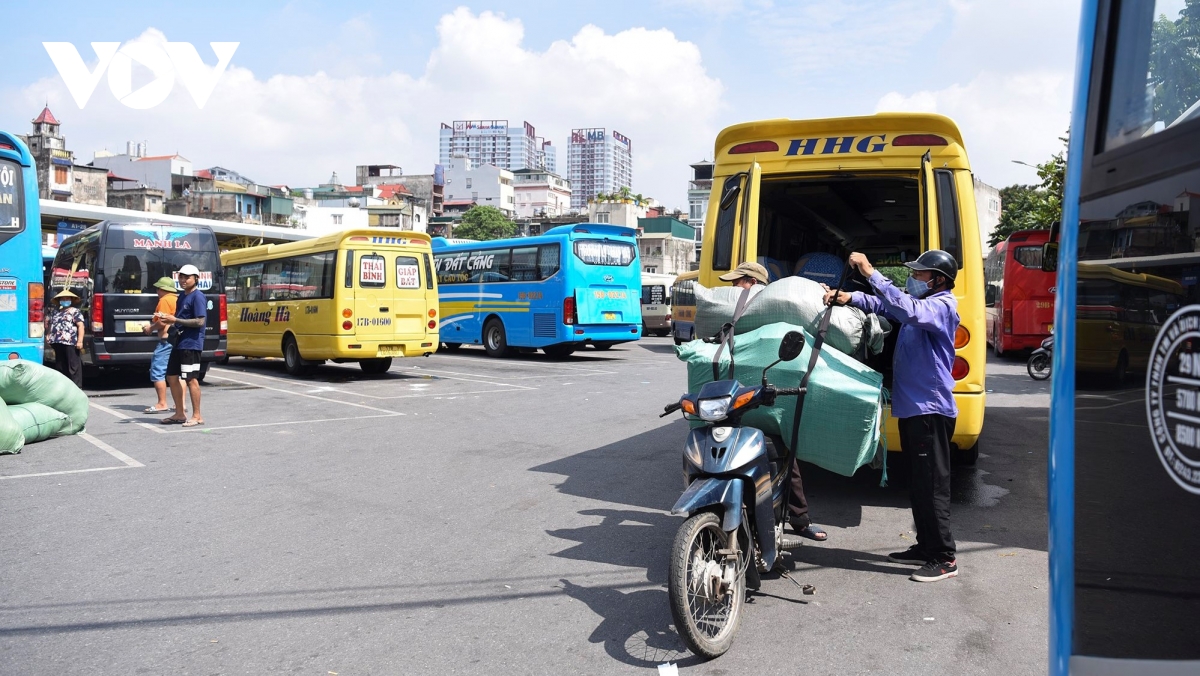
961 337
754 147
918 140
570 316
347 313
432 313
97 315
37 310
432 324
1008 321
347 325
961 368
224 316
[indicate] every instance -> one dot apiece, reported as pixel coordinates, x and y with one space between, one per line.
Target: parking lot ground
461 514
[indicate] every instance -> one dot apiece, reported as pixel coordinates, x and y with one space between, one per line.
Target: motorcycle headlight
713 410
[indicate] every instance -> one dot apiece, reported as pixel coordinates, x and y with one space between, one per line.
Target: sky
315 88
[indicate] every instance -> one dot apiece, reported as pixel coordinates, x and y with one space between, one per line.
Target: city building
987 208
429 188
494 142
169 173
59 177
399 208
667 244
150 200
699 189
615 211
486 185
597 162
540 193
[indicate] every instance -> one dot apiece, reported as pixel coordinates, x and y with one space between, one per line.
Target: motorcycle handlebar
790 391
670 408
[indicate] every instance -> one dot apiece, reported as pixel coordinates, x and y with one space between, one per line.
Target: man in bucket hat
167 297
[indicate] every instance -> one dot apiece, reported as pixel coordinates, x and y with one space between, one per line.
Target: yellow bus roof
866 139
684 276
375 237
1101 272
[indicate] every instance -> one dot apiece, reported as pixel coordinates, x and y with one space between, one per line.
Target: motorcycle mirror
791 346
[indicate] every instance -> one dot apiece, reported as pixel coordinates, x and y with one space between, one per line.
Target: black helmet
936 260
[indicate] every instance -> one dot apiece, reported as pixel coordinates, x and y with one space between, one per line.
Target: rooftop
46 116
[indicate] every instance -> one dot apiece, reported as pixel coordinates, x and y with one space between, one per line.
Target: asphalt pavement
466 515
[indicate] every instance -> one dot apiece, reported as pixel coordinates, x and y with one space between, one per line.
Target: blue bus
22 292
1124 461
575 285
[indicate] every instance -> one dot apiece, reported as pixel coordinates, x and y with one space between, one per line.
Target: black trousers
68 363
798 504
926 443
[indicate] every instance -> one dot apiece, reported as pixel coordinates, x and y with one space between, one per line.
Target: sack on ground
38 422
25 382
794 300
840 427
11 438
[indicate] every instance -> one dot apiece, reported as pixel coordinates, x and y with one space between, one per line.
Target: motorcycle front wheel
707 610
1039 366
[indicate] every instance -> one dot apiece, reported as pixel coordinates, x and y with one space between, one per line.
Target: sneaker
934 571
912 555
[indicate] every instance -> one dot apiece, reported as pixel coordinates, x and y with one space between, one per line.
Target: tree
1033 207
624 194
485 223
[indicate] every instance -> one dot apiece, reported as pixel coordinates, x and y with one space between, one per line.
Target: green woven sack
38 422
24 382
842 411
11 438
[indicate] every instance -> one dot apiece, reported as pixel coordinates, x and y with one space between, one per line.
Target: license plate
134 327
390 351
610 316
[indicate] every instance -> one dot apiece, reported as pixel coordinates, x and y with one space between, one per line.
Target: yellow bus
1117 316
889 185
364 295
683 307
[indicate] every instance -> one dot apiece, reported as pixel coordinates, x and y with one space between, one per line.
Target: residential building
598 162
987 208
699 189
494 142
549 156
456 208
169 173
319 219
616 212
399 209
150 200
58 176
486 185
668 245
428 188
540 193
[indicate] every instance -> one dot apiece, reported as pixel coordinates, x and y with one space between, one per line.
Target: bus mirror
730 195
1050 257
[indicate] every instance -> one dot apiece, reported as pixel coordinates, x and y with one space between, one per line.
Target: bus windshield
604 252
136 256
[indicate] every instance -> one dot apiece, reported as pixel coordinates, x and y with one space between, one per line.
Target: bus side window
231 284
723 243
428 272
548 257
349 268
948 221
525 264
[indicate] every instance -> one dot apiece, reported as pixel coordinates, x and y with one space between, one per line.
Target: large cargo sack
840 428
38 422
11 438
793 300
24 382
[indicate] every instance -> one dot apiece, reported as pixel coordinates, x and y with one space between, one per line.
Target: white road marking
129 462
117 414
431 374
289 422
299 394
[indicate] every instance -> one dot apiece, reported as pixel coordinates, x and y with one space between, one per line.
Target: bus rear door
608 294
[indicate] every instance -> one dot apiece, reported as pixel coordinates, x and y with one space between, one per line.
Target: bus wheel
293 363
451 347
967 456
558 351
678 340
375 366
996 345
495 342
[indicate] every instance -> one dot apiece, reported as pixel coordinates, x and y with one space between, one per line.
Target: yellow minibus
1117 316
364 295
891 185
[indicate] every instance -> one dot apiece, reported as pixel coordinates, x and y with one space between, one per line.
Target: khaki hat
65 293
165 283
747 269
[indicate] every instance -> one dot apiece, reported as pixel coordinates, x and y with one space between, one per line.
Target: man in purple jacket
922 394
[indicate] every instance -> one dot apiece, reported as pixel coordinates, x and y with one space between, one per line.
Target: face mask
64 303
916 288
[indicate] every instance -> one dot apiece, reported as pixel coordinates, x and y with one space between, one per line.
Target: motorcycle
736 504
1039 362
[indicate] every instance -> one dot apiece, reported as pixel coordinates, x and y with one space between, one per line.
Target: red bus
1019 297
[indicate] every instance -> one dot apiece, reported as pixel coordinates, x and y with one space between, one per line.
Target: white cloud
297 129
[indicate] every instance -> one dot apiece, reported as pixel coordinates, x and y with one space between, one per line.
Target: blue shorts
158 363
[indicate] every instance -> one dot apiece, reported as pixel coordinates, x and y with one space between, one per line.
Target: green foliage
485 223
1033 207
897 273
1175 62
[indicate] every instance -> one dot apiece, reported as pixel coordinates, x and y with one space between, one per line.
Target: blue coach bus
575 285
22 293
1124 466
